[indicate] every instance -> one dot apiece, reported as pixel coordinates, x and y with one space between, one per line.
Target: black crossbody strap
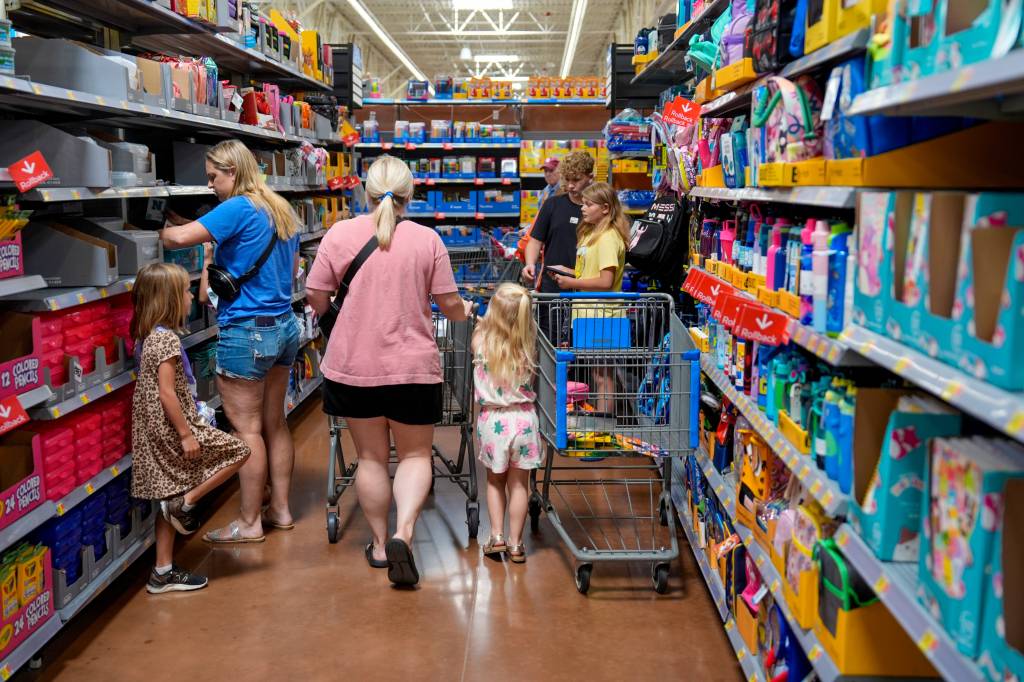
254 270
357 263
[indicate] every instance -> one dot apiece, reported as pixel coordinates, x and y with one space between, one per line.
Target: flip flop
374 563
401 565
234 537
267 521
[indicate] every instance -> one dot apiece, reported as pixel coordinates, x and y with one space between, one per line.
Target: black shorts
414 404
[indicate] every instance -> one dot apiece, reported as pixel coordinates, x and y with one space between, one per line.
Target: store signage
693 278
757 323
681 112
12 414
30 171
710 289
336 183
727 309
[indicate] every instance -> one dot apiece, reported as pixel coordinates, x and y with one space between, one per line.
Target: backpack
731 46
771 33
658 239
790 113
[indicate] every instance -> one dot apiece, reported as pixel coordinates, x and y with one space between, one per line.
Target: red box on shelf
21 475
12 261
31 616
19 354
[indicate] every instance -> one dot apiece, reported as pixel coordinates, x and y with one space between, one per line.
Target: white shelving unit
828 197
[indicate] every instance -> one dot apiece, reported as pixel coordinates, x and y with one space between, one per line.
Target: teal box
961 516
989 305
885 61
920 35
883 220
976 30
891 433
1002 640
923 316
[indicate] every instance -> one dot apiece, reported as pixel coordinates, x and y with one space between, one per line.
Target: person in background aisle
382 368
259 335
504 351
177 456
600 264
552 177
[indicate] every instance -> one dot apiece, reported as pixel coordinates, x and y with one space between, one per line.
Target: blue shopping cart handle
631 295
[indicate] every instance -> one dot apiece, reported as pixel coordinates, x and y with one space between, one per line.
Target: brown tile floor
298 608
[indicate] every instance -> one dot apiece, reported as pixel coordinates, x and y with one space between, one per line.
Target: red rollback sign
757 323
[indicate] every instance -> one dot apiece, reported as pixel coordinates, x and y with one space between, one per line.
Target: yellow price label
5 672
102 102
843 539
76 195
815 653
84 398
804 470
952 390
729 626
60 509
52 304
748 541
752 678
827 499
55 412
71 95
115 471
107 387
80 298
881 586
1016 424
759 561
89 490
928 642
962 79
741 654
901 365
775 585
866 347
816 487
37 89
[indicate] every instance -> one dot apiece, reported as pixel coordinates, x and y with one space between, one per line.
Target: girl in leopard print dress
177 455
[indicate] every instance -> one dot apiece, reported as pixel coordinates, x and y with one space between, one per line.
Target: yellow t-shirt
605 251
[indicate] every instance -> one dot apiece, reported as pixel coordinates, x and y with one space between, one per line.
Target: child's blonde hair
602 194
159 299
506 336
233 156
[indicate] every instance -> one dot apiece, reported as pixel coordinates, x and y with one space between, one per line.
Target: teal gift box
989 305
891 433
918 28
974 31
882 225
960 519
1002 639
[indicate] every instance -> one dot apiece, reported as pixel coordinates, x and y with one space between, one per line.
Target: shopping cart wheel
473 519
332 527
583 577
535 514
661 578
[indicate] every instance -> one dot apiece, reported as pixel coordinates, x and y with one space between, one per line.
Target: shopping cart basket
479 268
618 377
453 343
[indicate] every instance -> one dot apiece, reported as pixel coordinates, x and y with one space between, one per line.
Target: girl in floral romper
177 455
503 356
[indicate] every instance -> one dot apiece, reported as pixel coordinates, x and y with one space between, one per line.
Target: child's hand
208 253
191 447
564 282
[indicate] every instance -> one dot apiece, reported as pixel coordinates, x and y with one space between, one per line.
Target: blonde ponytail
231 156
389 185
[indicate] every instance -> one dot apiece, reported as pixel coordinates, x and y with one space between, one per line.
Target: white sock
186 507
163 570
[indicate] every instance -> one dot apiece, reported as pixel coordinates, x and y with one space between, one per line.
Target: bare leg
280 448
243 404
518 502
373 486
211 484
412 479
605 389
496 501
164 541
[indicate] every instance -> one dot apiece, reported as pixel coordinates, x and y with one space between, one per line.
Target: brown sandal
495 546
517 553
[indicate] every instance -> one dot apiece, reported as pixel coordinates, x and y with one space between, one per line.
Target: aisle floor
299 608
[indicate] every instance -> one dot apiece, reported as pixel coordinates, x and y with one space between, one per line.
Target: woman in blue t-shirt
259 335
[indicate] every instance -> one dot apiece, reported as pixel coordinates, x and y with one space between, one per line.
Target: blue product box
920 34
455 201
497 201
423 201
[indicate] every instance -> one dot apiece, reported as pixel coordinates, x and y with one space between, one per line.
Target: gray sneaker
175 580
173 512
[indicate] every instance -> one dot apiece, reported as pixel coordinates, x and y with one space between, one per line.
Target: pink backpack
790 113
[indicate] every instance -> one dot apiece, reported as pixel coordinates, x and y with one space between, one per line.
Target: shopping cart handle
629 295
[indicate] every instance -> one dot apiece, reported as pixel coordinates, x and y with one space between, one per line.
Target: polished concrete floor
298 608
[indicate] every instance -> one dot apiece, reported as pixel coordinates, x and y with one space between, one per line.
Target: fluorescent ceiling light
579 10
465 54
470 5
388 41
497 58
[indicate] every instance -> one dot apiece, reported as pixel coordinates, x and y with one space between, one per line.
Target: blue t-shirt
242 232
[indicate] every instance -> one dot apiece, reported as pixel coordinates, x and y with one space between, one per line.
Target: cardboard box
68 257
75 162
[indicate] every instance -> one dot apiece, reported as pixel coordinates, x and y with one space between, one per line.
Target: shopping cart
453 339
618 377
481 266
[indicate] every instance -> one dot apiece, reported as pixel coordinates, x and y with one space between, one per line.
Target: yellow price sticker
962 79
901 365
71 95
866 347
741 654
952 390
752 678
775 585
816 487
115 471
84 398
804 470
89 490
729 626
80 298
815 653
827 499
1016 424
5 672
52 304
55 412
881 585
102 102
748 541
37 89
843 539
759 561
60 509
928 642
107 387
76 195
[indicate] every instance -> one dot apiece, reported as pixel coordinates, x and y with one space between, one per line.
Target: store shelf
896 585
988 89
531 175
26 524
722 488
461 181
667 67
36 396
309 389
199 337
28 649
820 486
137 17
413 146
828 197
82 492
994 406
19 285
367 102
82 399
312 236
636 211
39 300
443 215
635 154
101 582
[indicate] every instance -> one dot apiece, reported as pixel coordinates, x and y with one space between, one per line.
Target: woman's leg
243 405
373 485
415 471
280 448
518 502
164 541
496 501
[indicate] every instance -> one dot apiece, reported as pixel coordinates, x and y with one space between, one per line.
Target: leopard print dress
159 467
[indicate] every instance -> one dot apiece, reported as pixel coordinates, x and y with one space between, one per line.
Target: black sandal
374 563
401 565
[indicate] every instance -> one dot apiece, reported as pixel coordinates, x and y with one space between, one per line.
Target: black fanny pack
228 287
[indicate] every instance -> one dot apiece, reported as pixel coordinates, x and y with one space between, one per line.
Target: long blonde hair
506 336
389 184
602 194
233 156
159 299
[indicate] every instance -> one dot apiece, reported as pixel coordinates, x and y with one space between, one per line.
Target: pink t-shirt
385 333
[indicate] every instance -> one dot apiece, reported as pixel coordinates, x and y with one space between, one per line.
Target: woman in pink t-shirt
382 369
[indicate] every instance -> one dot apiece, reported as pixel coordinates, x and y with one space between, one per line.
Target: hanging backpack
771 33
790 114
731 46
659 239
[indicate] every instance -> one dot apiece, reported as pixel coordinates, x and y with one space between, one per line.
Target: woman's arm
184 236
172 408
602 283
318 300
453 306
204 277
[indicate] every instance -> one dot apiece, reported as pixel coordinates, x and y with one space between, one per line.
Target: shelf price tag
759 561
928 642
89 490
815 653
843 539
952 390
1016 424
881 586
479 182
816 487
387 146
84 398
741 654
479 216
410 146
60 509
901 365
80 297
447 146
506 181
5 672
439 216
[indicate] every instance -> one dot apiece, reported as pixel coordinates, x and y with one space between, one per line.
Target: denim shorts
248 349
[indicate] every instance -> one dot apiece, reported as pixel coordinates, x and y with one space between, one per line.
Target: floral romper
507 425
159 467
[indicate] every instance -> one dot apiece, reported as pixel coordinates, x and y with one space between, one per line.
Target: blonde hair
389 184
601 193
506 336
159 299
575 165
231 156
